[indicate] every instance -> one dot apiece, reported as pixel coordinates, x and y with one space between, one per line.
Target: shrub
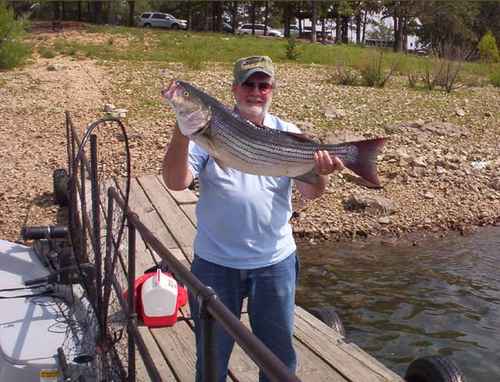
443 72
412 80
46 52
12 51
292 52
373 70
495 77
344 75
488 48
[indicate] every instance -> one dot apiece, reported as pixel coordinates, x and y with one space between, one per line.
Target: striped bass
238 143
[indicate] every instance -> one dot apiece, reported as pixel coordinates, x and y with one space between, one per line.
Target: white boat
41 336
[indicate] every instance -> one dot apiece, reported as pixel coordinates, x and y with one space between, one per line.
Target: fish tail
359 157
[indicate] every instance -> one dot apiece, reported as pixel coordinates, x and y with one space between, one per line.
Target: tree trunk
266 17
345 29
57 10
131 10
79 17
314 12
337 30
323 29
252 15
235 16
359 21
364 27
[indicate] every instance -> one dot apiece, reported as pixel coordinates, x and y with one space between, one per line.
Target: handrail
272 366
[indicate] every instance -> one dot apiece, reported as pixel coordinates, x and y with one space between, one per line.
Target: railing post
83 208
96 226
209 342
132 315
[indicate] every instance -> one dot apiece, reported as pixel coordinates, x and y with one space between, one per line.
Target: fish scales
258 138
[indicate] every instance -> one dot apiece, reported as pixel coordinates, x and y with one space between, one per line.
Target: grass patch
46 52
495 77
196 49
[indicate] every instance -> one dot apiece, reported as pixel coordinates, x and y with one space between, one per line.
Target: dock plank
177 222
166 373
181 197
177 344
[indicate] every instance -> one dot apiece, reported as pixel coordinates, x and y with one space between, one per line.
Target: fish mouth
168 93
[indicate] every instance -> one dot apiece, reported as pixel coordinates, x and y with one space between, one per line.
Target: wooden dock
323 355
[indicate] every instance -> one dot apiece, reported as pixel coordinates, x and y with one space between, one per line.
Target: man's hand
326 164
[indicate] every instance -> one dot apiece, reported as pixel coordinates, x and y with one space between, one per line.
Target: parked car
161 20
259 30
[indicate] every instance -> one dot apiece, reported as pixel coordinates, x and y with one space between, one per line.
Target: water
400 303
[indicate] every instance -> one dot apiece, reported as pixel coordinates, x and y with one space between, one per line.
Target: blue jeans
271 302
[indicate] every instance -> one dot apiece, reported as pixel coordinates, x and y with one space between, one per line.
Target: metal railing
107 285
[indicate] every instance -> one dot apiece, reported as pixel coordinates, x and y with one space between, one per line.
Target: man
244 245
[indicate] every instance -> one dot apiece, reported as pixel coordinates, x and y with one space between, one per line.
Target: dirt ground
440 167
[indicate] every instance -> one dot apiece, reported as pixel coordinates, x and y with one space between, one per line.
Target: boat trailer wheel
434 369
329 316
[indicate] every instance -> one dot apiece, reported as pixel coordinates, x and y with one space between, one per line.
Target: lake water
403 302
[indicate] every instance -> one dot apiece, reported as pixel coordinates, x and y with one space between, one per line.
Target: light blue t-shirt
243 219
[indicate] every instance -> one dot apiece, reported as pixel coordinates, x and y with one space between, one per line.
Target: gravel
440 168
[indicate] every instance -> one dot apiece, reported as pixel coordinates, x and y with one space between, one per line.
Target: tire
60 184
174 27
329 316
147 25
434 369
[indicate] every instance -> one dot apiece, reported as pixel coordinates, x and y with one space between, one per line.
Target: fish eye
186 94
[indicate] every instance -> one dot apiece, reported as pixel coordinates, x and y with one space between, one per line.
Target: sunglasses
264 87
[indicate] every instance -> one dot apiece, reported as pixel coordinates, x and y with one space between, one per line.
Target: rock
460 112
419 162
53 67
429 195
305 126
384 220
333 113
108 107
440 170
374 205
495 184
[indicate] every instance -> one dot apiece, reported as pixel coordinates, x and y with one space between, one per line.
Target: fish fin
309 177
364 161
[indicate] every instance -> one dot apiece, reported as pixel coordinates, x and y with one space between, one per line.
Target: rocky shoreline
440 167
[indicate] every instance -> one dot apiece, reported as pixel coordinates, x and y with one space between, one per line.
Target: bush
344 75
373 70
495 77
292 53
488 48
12 51
46 52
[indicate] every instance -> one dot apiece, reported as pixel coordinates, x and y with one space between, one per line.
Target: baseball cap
245 67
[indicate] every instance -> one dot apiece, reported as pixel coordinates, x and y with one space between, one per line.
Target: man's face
253 97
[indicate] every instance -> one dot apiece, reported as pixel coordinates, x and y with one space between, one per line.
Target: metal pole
132 316
209 341
83 208
96 225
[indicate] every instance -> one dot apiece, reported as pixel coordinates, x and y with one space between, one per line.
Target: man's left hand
325 163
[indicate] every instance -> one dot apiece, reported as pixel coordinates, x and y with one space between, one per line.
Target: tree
450 23
488 50
12 51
